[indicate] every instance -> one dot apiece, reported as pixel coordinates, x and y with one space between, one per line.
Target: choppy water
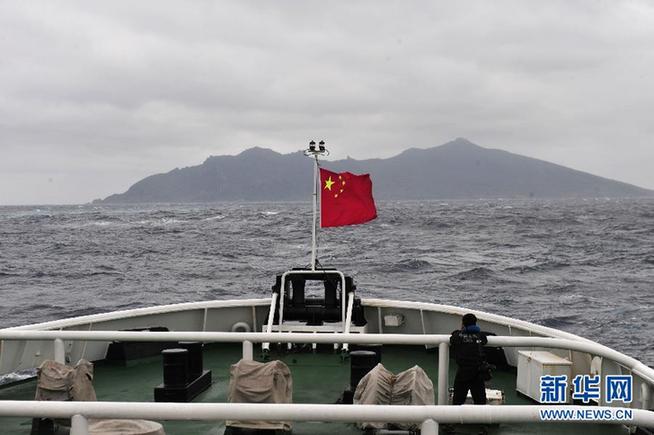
586 267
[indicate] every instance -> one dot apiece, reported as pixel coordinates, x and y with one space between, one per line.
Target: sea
582 266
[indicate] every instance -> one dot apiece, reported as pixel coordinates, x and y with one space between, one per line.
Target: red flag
345 199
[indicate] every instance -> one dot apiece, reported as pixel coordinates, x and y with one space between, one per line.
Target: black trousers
464 382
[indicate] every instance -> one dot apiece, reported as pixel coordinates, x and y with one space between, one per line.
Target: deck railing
428 417
635 366
441 413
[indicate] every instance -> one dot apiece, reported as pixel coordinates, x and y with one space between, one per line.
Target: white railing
271 318
440 340
425 415
428 416
592 348
348 318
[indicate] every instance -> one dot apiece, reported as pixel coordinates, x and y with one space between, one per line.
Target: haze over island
95 96
458 169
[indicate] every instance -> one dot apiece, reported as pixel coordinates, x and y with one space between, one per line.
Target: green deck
317 378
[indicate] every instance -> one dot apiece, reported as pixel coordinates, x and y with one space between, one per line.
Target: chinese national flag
345 199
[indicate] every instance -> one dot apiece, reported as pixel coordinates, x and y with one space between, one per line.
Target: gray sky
96 95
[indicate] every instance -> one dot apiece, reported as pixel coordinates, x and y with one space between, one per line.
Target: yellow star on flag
328 183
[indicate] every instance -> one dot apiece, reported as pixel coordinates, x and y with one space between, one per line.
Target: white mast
314 153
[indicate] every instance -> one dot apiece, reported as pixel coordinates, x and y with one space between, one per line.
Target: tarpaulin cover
125 427
56 381
381 387
255 382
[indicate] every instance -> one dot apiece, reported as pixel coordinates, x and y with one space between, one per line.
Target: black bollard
183 374
175 368
361 362
195 365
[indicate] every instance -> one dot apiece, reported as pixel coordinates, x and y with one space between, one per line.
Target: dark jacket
467 347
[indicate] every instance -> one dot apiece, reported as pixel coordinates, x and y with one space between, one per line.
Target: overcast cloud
96 95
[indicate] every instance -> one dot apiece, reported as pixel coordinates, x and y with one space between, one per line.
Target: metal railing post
271 316
443 373
248 350
59 351
348 318
79 425
429 427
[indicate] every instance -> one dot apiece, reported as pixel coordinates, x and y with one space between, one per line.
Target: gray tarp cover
125 427
56 381
382 387
255 382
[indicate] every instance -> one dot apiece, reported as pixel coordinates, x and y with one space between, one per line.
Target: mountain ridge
456 169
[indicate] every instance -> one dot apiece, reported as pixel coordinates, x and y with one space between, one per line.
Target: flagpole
315 213
313 152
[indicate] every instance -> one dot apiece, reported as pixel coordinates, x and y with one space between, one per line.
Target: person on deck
467 346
